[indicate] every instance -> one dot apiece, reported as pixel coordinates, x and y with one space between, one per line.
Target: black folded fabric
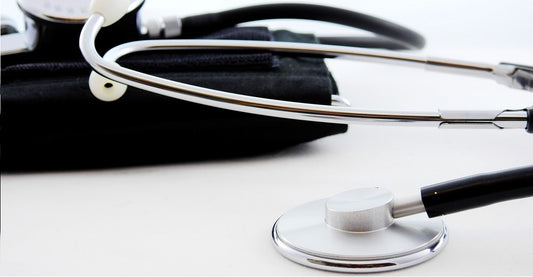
50 120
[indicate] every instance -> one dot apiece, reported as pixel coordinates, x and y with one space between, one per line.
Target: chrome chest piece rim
304 236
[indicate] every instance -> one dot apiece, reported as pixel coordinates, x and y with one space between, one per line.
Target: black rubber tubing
477 191
210 22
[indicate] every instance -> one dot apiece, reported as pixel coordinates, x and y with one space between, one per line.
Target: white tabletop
215 217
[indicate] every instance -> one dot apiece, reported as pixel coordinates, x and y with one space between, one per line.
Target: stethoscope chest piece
355 232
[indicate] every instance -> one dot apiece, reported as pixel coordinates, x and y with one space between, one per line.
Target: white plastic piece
111 10
105 89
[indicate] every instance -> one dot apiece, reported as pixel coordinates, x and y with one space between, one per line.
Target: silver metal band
408 206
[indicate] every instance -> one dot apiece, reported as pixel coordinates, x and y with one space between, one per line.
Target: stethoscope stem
467 193
119 75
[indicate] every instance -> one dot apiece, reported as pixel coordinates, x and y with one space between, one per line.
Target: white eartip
111 10
105 89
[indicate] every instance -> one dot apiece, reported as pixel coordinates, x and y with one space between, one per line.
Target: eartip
105 89
111 10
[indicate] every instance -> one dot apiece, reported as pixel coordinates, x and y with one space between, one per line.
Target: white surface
214 218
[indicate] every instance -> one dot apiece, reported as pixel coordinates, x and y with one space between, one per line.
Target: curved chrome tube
293 110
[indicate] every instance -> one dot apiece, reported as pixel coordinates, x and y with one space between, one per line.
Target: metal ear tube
107 67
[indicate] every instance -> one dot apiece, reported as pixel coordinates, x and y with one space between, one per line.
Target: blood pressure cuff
50 120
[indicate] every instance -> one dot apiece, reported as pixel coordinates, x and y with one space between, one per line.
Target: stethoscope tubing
467 193
390 35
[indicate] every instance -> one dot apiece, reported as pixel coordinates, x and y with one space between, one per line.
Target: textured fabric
50 120
55 64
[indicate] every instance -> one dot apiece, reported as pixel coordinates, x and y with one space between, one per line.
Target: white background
215 217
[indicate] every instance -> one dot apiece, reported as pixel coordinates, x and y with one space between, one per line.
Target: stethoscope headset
363 230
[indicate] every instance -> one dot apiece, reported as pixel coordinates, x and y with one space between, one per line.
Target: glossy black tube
477 191
207 23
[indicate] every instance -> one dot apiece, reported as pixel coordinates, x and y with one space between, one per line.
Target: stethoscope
363 230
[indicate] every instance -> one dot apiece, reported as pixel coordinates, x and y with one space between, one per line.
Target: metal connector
162 27
506 119
408 206
515 76
15 43
522 78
